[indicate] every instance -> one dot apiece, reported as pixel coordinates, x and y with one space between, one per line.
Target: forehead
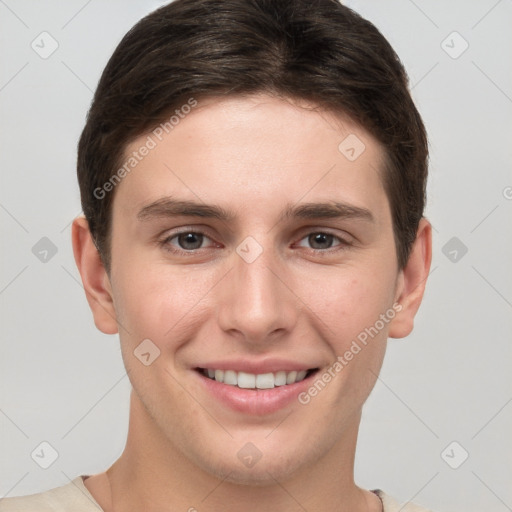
254 153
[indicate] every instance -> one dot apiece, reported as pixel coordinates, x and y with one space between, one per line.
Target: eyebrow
170 207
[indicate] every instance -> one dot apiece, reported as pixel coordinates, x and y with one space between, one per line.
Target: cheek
349 300
158 301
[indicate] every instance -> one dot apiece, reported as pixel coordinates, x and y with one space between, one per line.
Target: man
252 175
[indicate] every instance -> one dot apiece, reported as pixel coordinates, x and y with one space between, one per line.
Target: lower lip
255 401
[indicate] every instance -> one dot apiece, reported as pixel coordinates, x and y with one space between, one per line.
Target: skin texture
297 300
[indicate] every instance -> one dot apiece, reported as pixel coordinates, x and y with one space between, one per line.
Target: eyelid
343 236
164 240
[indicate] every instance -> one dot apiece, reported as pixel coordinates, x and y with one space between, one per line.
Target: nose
258 304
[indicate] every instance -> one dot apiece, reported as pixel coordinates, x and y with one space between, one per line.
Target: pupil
320 238
190 240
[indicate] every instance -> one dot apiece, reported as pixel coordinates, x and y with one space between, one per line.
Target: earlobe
412 281
94 277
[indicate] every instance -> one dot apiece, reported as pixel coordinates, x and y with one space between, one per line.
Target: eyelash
165 243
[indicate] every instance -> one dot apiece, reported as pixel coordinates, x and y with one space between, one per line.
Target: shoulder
392 505
72 496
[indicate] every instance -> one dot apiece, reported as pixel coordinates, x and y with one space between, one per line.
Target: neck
153 471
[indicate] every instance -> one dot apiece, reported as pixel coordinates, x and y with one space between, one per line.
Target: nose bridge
257 302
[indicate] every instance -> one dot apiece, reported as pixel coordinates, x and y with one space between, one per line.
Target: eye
189 241
185 241
322 241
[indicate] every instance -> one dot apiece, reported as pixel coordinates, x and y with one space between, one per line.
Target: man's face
281 285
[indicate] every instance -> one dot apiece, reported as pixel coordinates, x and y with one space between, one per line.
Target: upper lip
257 367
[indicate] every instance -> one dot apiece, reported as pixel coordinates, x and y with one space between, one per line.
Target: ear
94 277
411 281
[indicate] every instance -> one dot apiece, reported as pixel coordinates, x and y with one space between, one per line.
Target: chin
265 472
253 478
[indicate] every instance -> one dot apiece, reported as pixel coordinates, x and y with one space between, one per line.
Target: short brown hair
314 50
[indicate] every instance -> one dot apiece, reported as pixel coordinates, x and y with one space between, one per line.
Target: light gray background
63 382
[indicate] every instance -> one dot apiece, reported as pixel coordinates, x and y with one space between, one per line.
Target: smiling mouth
246 380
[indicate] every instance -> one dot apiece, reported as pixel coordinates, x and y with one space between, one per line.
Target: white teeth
265 381
230 377
251 381
290 378
301 375
280 379
246 380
